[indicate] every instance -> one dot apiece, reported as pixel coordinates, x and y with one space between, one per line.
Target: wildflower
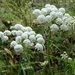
28 29
54 9
26 32
19 33
59 21
18 26
37 12
27 43
7 33
13 43
18 48
32 38
66 15
64 27
69 58
62 10
32 33
47 5
53 14
18 39
41 19
39 47
23 29
4 38
39 36
48 18
24 36
64 55
41 41
52 6
44 11
48 10
59 14
54 28
13 32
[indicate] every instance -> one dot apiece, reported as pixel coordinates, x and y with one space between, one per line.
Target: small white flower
28 29
69 58
64 55
62 10
44 11
64 18
13 43
32 33
59 14
4 38
27 43
53 14
13 32
54 28
47 5
18 39
32 38
36 12
66 15
52 6
18 48
41 19
39 47
64 27
48 18
59 21
48 10
27 33
18 26
24 36
54 9
39 36
41 41
1 34
19 33
23 29
7 33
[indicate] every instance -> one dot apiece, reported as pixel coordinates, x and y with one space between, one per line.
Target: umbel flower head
44 11
18 48
7 33
37 12
18 39
27 43
32 38
64 27
4 38
59 21
39 47
62 10
13 43
54 28
47 5
41 19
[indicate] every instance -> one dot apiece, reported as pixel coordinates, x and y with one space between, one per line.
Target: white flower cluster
25 37
70 22
4 35
65 56
54 15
